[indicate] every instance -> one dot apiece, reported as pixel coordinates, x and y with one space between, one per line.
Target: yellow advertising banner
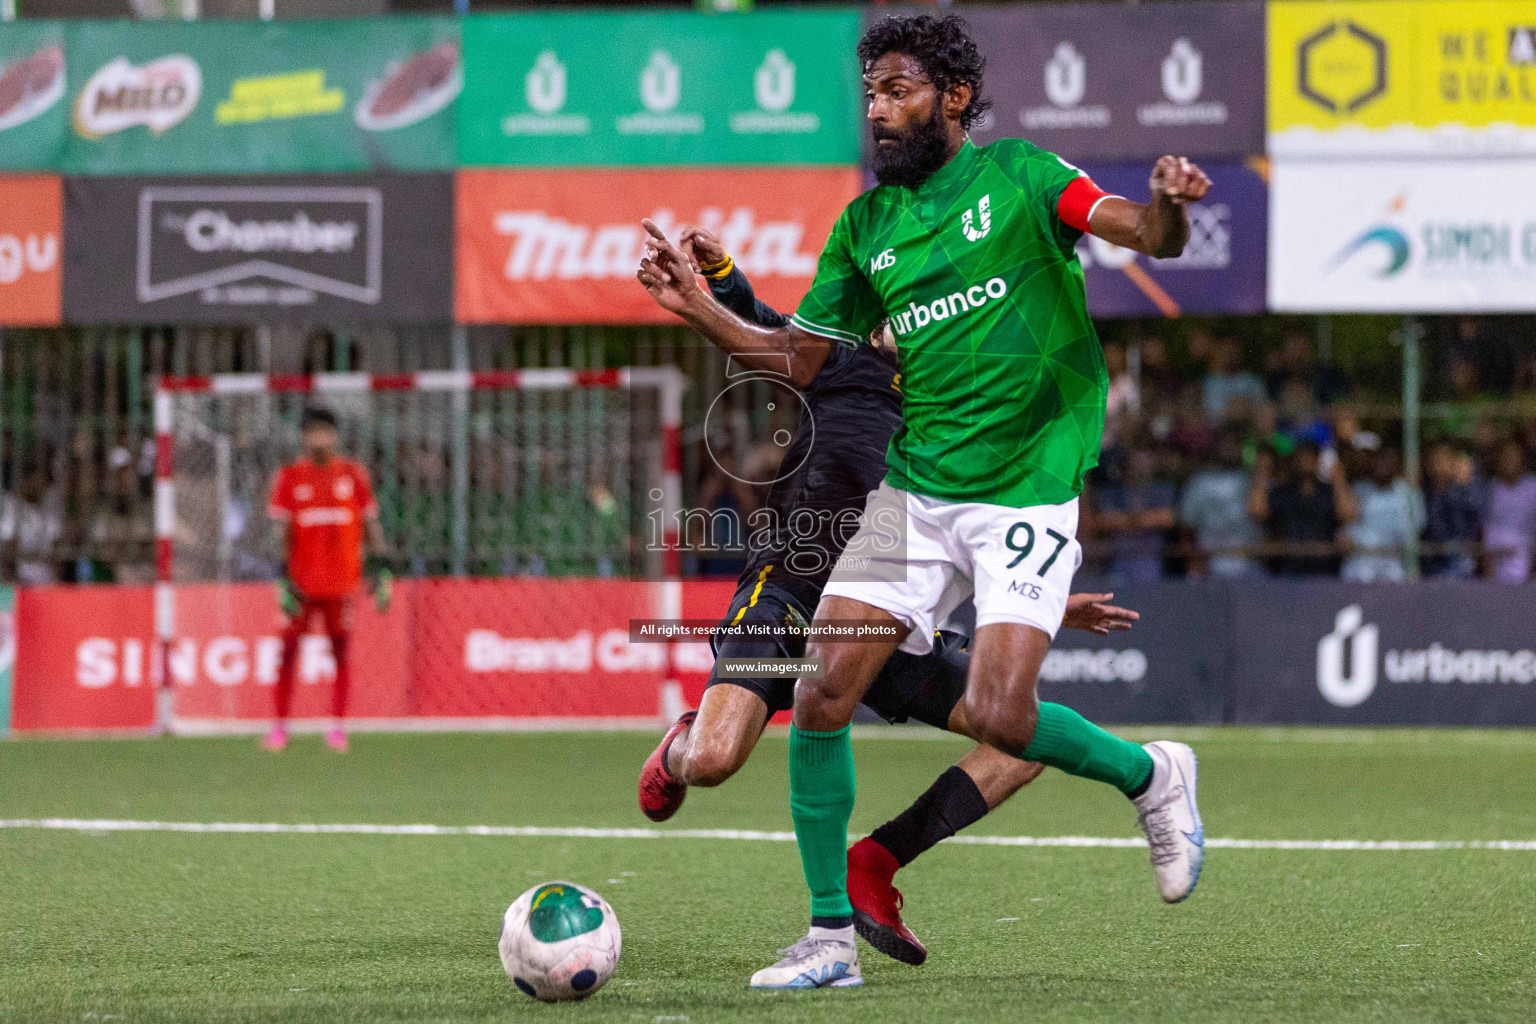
1402 78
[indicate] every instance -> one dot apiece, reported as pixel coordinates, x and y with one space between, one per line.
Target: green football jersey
1003 379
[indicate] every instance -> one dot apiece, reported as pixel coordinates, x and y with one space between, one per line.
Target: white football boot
816 961
1167 813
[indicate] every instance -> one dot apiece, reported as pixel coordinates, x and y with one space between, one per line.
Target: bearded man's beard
915 154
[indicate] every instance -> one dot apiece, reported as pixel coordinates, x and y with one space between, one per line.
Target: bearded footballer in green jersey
969 252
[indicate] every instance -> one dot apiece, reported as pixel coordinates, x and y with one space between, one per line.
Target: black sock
831 922
951 803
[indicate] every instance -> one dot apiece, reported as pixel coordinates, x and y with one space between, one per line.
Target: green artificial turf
212 927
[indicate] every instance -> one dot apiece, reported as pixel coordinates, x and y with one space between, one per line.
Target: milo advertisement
284 97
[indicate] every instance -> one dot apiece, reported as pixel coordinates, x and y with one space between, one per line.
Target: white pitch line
747 835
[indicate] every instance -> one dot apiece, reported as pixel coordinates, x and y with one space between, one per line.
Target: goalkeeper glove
288 597
381 584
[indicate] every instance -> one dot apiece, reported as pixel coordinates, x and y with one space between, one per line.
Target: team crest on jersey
983 218
303 492
342 488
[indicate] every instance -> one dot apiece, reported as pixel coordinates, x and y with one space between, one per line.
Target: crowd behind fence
1223 455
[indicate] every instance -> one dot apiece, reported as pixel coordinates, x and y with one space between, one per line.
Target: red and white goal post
530 514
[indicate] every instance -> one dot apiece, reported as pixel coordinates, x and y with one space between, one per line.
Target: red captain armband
1078 201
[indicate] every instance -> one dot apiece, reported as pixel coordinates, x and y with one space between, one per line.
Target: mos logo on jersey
885 261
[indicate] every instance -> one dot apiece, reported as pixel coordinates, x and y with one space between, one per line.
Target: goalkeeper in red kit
324 516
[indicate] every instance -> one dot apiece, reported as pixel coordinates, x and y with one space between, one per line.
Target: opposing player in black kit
836 457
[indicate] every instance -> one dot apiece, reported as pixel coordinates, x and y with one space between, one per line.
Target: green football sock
1065 739
821 787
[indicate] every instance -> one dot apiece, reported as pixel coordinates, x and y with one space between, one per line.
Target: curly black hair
941 45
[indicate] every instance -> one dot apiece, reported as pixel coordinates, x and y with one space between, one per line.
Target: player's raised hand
1091 612
1179 180
701 246
666 272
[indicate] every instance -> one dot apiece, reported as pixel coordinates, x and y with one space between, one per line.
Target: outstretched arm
668 275
1158 228
727 282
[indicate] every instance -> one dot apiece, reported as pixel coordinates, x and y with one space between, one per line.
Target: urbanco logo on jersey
975 225
918 315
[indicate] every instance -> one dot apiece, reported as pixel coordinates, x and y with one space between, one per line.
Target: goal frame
667 380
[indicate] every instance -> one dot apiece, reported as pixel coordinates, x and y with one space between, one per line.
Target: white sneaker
814 962
1168 815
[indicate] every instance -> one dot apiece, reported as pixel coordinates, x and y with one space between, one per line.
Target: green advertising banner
250 97
33 114
654 88
7 654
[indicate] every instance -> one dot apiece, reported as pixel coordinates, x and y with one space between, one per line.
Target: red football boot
660 793
877 903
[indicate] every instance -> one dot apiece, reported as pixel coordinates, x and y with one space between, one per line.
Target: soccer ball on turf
559 941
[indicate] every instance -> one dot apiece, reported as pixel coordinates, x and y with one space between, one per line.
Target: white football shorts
920 558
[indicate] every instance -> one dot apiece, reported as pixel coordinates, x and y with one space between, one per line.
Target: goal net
519 509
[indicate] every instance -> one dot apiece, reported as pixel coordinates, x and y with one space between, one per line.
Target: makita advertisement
1221 269
243 250
1117 82
541 247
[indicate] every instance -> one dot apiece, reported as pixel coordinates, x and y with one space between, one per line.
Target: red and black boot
661 793
877 903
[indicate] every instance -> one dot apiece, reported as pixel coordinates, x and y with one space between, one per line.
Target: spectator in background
30 525
729 501
1228 380
1191 436
1391 515
1215 507
1509 516
1137 514
1295 361
1160 382
1298 414
1302 510
1124 400
1453 513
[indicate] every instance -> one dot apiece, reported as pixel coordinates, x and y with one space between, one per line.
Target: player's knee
1003 724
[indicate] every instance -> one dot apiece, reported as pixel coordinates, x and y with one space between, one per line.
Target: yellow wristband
715 271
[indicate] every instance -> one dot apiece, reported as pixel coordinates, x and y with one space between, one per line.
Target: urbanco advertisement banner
1427 654
1221 269
1422 236
33 117
259 249
1112 82
1376 78
233 97
1164 669
31 250
661 88
561 247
